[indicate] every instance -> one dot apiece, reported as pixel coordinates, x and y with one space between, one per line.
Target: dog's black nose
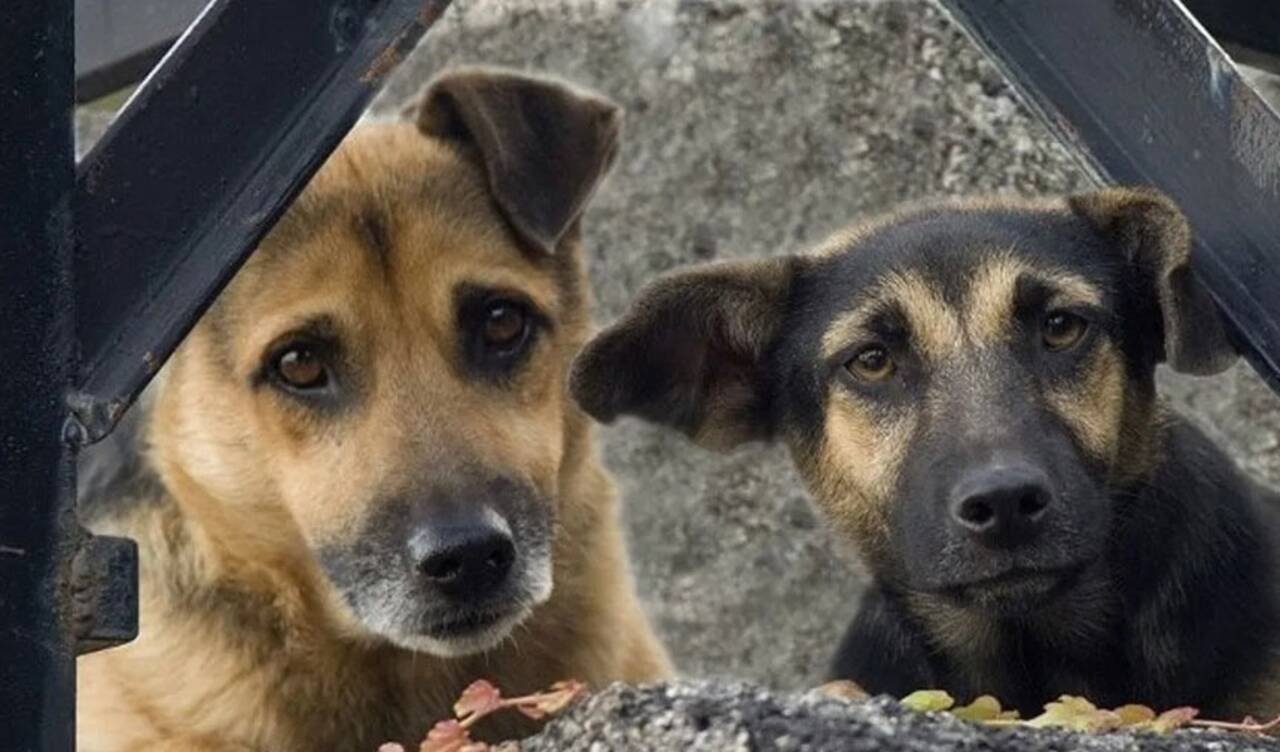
468 563
1002 505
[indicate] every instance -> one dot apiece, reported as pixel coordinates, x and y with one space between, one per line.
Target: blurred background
753 129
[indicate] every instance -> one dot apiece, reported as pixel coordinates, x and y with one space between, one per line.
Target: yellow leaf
984 708
1133 715
929 700
1075 713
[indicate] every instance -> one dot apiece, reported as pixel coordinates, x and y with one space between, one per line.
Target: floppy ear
1156 240
691 353
544 145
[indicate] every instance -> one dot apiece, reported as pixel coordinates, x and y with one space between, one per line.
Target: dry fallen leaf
929 700
841 689
479 699
1172 719
446 736
1075 713
549 703
1135 715
984 709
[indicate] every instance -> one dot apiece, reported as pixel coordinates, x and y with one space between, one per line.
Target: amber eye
1061 330
871 364
505 325
301 367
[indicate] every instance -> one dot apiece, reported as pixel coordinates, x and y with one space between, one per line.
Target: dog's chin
461 635
1014 594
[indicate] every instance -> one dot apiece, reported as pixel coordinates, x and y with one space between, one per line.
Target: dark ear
544 145
1155 237
691 353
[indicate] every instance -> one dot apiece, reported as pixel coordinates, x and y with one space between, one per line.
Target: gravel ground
736 717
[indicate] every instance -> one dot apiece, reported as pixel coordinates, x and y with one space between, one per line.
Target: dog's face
964 388
384 381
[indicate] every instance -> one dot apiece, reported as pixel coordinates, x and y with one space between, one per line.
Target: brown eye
1062 330
871 364
300 367
505 325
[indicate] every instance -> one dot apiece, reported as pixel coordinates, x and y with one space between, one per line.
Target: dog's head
379 395
964 387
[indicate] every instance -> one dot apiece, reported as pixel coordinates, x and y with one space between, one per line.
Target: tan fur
989 314
1094 406
856 469
244 645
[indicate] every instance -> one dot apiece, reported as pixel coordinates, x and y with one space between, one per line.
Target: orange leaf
549 703
448 736
1172 719
391 747
842 689
479 699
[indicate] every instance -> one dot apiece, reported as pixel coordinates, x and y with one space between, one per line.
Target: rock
755 127
733 717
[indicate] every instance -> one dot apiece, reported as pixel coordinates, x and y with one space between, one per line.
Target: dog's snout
468 563
1001 506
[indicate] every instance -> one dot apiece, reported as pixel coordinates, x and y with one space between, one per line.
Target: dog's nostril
1033 504
442 568
976 513
469 563
500 558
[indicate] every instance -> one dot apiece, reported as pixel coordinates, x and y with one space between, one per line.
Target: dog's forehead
945 269
393 209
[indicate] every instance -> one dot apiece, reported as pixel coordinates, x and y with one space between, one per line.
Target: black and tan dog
360 483
968 391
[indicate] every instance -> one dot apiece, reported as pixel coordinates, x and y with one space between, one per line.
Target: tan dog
360 483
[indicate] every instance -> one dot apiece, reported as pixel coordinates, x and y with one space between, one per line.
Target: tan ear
1156 240
544 145
691 353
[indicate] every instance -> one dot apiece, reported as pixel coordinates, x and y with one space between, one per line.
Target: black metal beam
119 41
1143 96
37 527
202 161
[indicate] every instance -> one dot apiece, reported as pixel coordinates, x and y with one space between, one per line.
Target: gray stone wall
755 128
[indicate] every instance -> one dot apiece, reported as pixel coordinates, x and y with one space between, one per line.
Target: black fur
1192 556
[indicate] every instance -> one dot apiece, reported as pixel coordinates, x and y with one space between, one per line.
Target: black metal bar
201 162
119 41
1143 96
37 527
